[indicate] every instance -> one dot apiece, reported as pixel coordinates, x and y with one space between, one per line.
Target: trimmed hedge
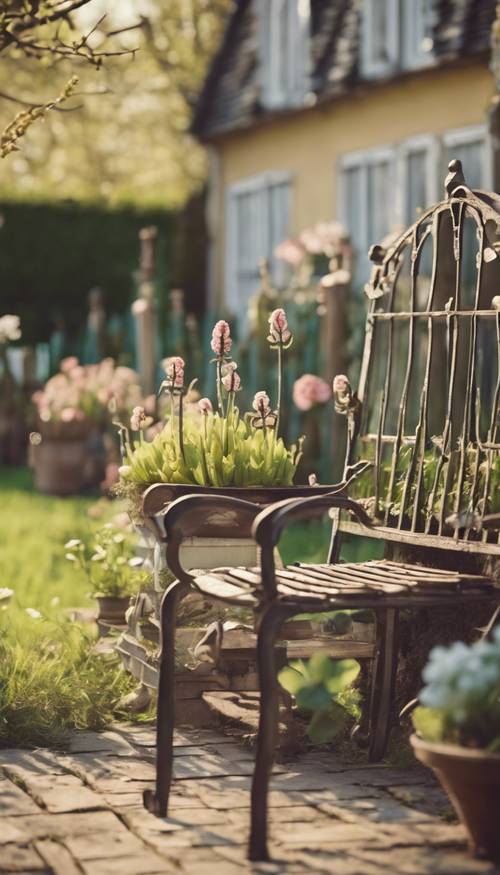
51 255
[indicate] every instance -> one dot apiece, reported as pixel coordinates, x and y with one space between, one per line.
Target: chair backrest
430 376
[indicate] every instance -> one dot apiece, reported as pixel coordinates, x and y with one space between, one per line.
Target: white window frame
435 147
415 56
370 66
361 160
297 52
471 134
250 185
422 142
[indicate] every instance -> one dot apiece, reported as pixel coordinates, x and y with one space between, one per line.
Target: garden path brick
57 857
14 801
79 812
19 857
62 793
112 742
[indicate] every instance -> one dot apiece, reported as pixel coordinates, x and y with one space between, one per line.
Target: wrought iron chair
433 307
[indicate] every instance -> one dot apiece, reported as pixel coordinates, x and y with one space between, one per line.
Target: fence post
144 311
494 107
336 289
94 342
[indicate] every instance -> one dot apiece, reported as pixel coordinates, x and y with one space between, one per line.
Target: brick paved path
81 812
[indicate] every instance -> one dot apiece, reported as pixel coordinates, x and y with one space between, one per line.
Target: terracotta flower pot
111 609
472 780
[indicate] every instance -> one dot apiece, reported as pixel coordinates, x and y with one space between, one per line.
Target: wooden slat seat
332 585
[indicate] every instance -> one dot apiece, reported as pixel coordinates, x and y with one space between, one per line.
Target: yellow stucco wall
309 145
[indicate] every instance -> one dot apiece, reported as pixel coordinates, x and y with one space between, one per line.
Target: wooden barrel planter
69 458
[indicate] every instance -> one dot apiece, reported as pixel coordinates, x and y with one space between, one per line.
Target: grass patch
52 681
33 531
51 678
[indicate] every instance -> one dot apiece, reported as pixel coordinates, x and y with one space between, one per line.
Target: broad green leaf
291 680
327 723
311 697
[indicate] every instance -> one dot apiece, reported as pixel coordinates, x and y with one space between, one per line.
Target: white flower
75 542
33 613
6 594
10 328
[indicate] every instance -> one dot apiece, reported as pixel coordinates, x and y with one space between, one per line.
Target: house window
367 198
284 37
257 215
383 189
380 43
471 146
416 33
396 34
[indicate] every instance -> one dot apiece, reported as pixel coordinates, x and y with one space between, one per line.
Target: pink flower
231 379
279 331
291 251
69 414
174 369
68 364
260 403
138 418
310 390
205 406
341 384
221 339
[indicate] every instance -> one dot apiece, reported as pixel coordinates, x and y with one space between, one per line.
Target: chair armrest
190 514
271 521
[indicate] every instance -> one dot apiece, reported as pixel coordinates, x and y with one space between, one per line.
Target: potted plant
113 570
210 447
72 409
458 735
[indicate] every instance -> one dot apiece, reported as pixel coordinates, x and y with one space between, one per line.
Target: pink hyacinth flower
205 406
174 369
137 419
231 381
310 390
279 331
261 403
341 384
221 339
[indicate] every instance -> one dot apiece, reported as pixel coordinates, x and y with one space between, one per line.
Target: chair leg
268 727
157 802
383 682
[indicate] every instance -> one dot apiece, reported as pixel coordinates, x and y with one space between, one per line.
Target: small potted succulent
458 735
72 409
113 570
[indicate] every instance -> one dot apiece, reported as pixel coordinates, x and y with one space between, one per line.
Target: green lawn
51 680
33 531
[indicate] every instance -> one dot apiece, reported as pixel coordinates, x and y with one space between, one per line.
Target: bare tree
44 32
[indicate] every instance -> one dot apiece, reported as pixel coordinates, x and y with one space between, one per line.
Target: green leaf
313 696
291 680
327 723
344 674
429 723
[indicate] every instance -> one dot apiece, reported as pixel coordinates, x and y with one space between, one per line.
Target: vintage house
337 109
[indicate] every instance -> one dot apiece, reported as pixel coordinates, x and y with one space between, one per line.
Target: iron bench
433 324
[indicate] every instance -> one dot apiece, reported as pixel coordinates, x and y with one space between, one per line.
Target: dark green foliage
51 255
320 686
